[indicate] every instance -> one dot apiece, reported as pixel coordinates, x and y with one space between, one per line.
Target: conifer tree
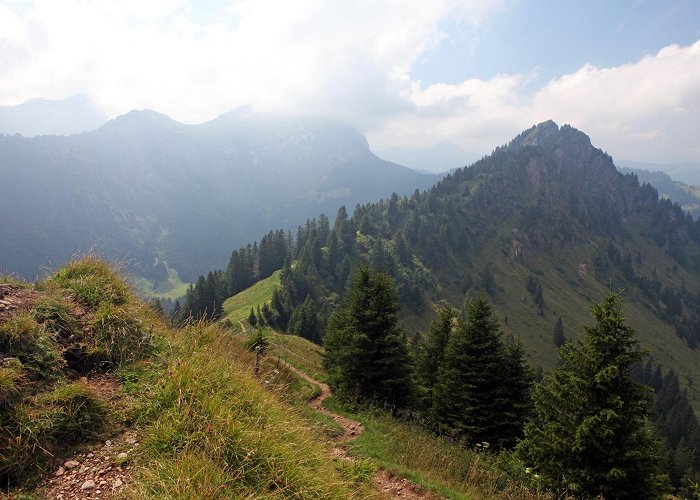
366 354
558 335
517 409
158 306
175 315
305 322
252 319
589 434
432 352
476 381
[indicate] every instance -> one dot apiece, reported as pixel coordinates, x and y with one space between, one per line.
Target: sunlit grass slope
237 308
213 431
298 352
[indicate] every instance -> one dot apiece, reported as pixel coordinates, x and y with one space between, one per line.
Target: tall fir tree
517 410
475 397
432 352
558 336
305 321
366 354
589 434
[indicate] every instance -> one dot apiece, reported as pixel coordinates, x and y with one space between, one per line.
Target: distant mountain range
46 117
688 197
685 172
438 158
144 186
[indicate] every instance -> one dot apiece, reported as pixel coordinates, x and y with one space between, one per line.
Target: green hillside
687 196
237 308
545 226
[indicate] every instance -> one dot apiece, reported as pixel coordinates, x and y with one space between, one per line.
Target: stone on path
88 485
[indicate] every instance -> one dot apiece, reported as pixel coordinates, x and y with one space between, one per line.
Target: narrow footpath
387 483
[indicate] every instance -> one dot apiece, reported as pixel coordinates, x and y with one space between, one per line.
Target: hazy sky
406 73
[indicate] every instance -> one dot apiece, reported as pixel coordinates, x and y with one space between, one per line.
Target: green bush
25 339
92 282
118 335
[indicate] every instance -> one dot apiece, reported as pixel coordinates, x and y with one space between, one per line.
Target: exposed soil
15 299
392 486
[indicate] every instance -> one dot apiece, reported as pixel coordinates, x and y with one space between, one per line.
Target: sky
407 73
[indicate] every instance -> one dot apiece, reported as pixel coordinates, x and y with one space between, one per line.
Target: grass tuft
11 279
92 282
35 431
75 413
56 317
29 342
12 382
119 335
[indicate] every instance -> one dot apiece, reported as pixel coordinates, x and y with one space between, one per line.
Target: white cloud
646 110
348 60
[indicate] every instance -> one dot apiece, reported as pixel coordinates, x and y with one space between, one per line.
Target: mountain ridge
144 186
37 117
546 224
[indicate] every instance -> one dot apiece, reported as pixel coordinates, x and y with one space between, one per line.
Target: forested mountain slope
144 186
545 224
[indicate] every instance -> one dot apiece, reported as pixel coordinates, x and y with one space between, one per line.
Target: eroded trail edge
386 482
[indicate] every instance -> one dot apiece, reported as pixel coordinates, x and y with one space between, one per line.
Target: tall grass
214 432
56 316
445 467
119 335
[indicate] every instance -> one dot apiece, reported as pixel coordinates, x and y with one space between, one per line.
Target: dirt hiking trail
392 486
